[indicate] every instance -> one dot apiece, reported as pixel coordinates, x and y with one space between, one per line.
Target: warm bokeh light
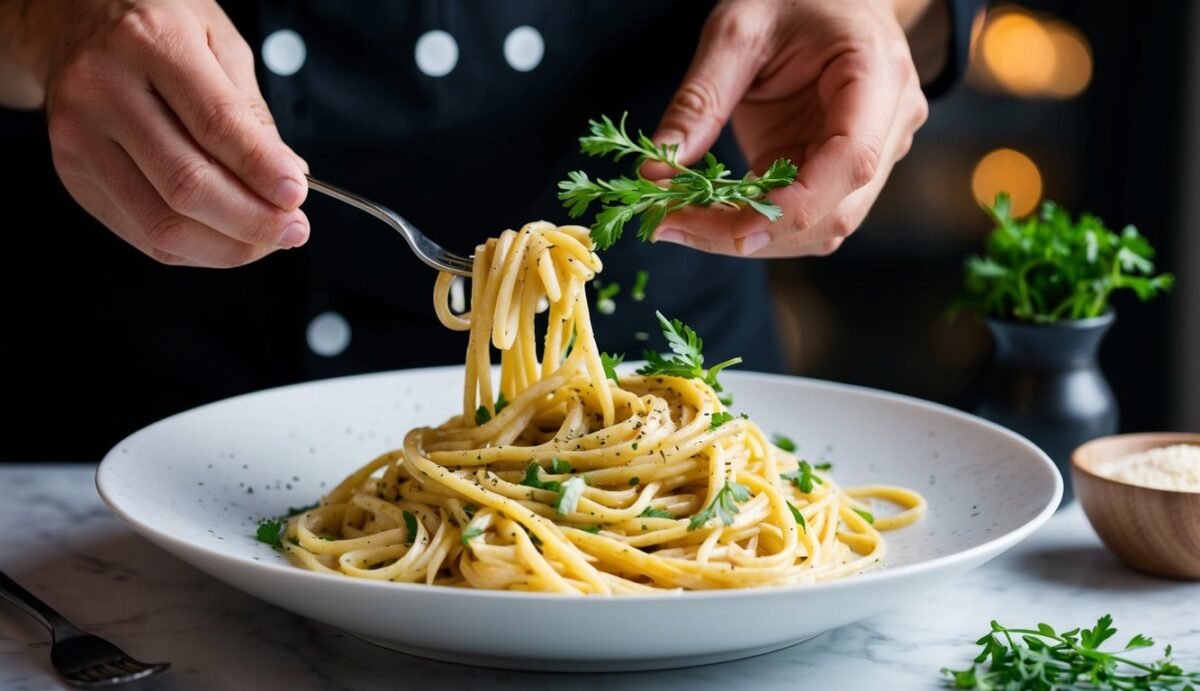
1009 171
1019 53
1073 61
1031 55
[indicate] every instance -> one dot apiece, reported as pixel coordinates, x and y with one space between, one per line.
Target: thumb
722 70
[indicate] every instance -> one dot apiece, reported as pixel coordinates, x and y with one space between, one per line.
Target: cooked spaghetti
579 483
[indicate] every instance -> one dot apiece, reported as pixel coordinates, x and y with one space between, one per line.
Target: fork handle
57 624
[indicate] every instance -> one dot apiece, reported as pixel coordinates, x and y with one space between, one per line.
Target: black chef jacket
98 340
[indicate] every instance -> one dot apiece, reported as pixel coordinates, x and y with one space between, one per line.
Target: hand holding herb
1047 267
622 199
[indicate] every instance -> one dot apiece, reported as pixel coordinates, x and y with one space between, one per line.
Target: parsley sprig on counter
1043 658
622 199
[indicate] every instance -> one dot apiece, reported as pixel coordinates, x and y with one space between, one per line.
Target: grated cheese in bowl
1175 468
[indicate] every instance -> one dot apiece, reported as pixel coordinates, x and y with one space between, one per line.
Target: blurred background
1088 104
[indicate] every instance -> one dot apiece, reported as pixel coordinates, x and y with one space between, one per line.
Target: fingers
175 55
194 185
727 59
125 201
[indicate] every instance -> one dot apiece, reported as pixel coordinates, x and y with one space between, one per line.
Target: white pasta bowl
197 483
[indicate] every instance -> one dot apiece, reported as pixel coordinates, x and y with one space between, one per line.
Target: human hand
158 129
829 84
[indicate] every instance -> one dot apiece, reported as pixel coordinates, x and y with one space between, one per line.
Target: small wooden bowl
1152 530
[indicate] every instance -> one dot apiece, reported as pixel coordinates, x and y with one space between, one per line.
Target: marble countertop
61 543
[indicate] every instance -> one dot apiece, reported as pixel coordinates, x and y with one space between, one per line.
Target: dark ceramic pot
1044 382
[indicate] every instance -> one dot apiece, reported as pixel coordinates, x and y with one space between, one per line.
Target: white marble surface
62 544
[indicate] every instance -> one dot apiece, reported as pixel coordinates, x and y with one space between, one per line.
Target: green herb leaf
635 481
719 418
501 403
482 416
723 506
866 516
410 527
622 199
610 362
686 359
590 528
803 478
470 533
797 515
784 443
296 510
270 531
655 512
533 479
559 467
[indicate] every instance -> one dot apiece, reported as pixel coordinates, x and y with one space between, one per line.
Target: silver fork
426 250
84 660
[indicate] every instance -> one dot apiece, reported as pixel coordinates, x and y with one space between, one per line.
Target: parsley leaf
470 533
609 363
533 479
635 481
1043 658
622 199
410 527
723 505
655 512
296 510
593 529
559 467
482 416
501 403
686 359
803 478
784 443
270 531
866 515
720 418
797 515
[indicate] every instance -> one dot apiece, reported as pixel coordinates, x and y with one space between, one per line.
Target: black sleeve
960 13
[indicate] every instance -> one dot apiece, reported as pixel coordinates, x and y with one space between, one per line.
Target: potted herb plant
1043 286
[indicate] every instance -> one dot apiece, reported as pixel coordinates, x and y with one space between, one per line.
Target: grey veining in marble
62 544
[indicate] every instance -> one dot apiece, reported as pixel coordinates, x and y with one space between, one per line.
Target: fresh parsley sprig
1048 267
723 506
622 199
687 358
1043 658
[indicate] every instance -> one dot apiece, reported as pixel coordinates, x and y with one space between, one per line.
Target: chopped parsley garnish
655 512
470 533
687 358
590 528
482 415
270 531
470 510
533 479
410 527
610 362
568 496
726 399
721 418
866 515
803 478
784 443
723 506
604 297
295 510
501 403
635 481
558 466
824 466
797 515
639 286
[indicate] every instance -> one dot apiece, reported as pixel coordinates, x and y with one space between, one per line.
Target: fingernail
294 236
288 194
754 243
670 235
